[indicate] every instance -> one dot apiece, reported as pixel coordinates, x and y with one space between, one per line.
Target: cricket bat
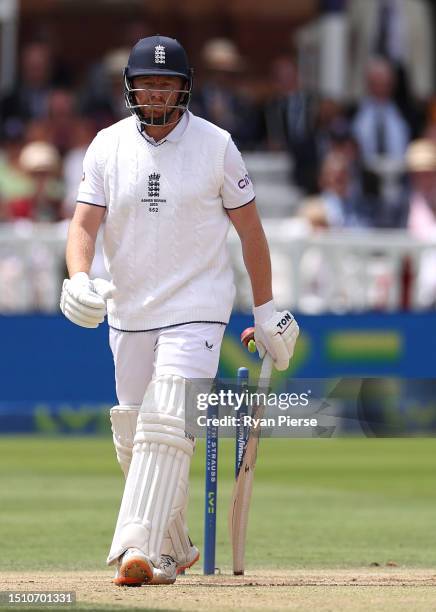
243 487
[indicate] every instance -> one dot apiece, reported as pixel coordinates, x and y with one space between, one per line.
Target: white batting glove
83 301
275 333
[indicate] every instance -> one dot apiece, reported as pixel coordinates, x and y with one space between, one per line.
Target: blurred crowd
367 164
365 161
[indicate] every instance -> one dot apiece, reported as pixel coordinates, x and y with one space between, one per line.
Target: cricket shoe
133 569
166 572
169 568
193 557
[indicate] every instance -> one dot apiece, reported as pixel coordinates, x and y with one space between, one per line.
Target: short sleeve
91 188
237 189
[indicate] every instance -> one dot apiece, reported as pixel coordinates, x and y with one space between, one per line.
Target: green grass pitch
316 503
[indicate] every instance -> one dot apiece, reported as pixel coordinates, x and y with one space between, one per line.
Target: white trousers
191 350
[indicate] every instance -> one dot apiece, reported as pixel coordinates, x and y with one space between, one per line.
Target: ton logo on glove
275 333
288 318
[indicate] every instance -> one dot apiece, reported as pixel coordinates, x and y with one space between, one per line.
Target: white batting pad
123 421
176 542
160 463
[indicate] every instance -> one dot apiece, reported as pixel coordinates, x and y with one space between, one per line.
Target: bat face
240 504
242 490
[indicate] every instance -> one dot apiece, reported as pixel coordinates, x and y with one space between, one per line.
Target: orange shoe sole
182 568
134 573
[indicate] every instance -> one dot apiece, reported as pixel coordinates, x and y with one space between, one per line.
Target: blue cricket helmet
161 56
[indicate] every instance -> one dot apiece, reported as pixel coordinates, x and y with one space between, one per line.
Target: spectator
58 126
331 127
290 119
219 98
341 140
400 31
314 212
29 100
421 164
337 205
103 98
14 183
41 162
62 115
378 125
382 134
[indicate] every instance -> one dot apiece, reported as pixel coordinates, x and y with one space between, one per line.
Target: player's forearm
80 249
258 263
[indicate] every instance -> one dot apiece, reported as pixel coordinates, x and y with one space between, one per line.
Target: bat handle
266 370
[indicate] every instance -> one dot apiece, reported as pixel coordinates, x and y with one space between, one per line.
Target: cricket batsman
167 184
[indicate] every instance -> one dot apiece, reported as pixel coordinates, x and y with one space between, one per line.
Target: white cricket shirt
166 225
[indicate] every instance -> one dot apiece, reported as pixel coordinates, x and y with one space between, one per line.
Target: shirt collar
176 133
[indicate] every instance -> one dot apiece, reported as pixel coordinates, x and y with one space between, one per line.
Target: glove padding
277 336
83 301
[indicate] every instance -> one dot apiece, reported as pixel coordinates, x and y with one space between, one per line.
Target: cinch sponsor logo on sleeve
244 182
